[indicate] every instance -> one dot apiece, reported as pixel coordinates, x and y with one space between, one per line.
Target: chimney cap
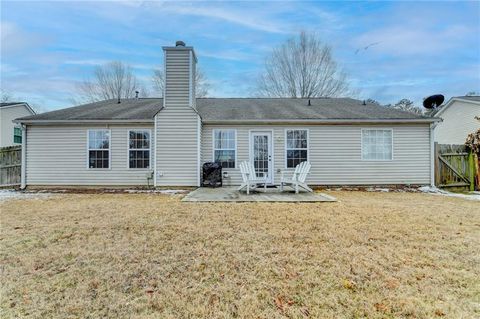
179 43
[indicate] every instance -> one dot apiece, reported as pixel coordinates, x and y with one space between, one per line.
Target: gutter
76 122
325 121
23 169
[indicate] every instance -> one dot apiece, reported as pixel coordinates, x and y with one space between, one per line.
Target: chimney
180 66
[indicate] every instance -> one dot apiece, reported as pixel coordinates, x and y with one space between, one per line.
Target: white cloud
256 19
15 40
234 55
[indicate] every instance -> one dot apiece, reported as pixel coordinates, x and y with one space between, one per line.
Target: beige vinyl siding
335 154
58 155
177 148
177 157
7 115
177 89
458 122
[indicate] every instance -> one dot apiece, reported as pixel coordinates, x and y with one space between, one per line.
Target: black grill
212 174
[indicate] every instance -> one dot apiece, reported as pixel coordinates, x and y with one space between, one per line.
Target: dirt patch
370 255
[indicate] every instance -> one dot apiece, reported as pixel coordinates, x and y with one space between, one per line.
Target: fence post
436 164
471 171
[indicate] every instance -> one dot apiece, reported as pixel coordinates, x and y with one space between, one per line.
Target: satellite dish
433 101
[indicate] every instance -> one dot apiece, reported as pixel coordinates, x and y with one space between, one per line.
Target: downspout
23 178
432 154
199 160
155 151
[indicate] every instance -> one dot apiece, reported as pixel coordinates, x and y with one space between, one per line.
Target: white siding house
335 152
58 155
111 143
10 133
458 116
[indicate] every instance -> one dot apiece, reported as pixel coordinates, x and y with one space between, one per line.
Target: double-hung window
17 135
99 148
224 147
296 147
377 144
139 149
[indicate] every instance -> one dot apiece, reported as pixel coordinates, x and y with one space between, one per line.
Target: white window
224 147
377 145
139 149
296 147
99 148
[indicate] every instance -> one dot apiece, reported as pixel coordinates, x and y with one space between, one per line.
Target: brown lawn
375 255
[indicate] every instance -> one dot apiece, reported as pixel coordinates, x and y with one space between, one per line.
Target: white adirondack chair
250 179
298 178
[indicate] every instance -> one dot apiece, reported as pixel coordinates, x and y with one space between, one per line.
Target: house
347 141
458 116
11 133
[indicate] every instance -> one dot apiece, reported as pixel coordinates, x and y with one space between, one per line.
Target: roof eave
74 122
327 121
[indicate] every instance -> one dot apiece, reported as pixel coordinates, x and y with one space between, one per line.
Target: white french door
261 154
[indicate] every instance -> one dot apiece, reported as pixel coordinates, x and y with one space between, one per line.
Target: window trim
361 143
149 148
285 144
228 149
109 149
16 127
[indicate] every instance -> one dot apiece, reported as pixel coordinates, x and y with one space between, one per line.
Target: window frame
15 128
103 149
138 149
225 149
362 144
286 147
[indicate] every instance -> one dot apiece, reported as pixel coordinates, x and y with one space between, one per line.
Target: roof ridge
276 98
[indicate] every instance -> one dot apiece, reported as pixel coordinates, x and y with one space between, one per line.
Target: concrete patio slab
231 194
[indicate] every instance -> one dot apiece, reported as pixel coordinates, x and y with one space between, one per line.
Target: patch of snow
7 194
437 191
376 189
157 191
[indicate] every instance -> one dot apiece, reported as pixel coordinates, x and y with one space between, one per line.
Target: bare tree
373 101
406 105
302 67
113 80
5 96
202 86
472 93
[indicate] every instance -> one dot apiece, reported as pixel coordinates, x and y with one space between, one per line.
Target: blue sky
423 48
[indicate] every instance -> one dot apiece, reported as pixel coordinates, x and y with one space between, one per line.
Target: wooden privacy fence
454 167
10 165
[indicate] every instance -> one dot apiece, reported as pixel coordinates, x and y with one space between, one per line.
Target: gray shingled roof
295 109
129 109
233 109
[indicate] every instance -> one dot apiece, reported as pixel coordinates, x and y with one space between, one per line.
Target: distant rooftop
470 97
11 103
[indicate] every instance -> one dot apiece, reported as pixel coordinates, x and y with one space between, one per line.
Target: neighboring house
347 141
458 116
11 133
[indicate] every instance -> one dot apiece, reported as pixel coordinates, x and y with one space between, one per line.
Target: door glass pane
260 155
